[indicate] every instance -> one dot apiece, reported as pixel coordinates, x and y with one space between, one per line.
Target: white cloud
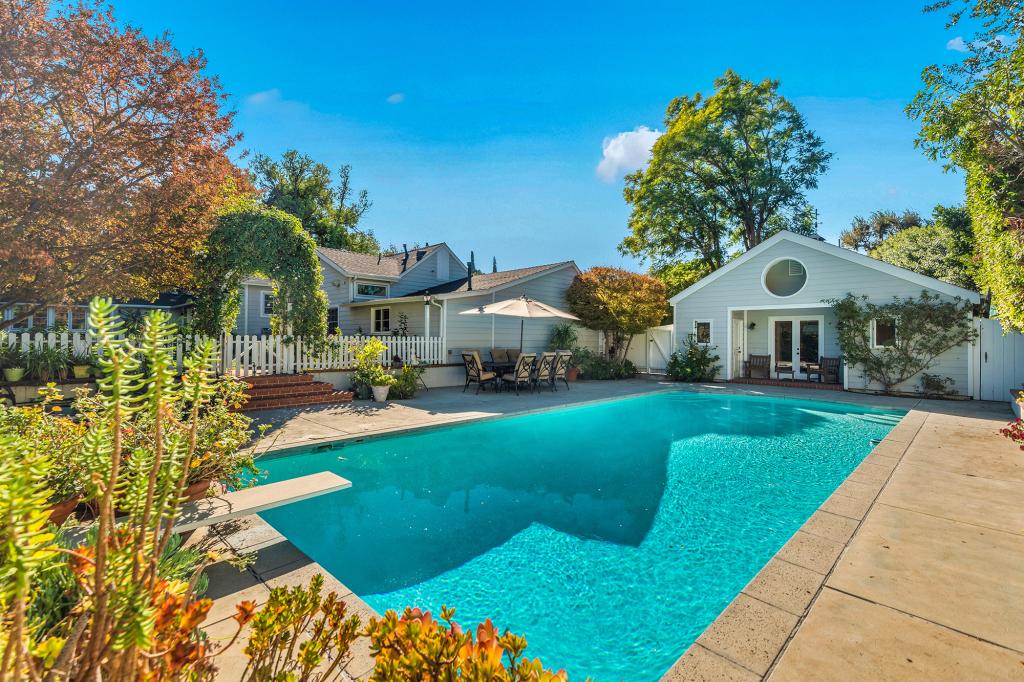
957 45
625 152
264 97
396 98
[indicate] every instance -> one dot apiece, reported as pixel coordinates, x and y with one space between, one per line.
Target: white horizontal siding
828 277
475 331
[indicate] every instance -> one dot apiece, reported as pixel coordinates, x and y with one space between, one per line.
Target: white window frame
373 321
711 332
764 277
895 337
387 289
263 303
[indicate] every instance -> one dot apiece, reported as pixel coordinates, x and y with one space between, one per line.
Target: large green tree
868 233
970 114
329 211
731 168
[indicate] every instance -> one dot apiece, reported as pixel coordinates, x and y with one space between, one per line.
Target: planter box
1015 405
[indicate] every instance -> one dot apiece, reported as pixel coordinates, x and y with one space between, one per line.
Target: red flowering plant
1015 432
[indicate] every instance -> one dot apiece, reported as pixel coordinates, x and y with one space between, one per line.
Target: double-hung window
381 318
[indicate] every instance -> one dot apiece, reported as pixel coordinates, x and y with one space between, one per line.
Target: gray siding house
770 301
425 289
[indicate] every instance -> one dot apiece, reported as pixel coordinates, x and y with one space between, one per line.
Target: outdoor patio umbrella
520 306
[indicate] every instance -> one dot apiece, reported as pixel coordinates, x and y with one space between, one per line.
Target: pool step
272 391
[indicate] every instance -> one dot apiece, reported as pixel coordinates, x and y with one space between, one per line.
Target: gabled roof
838 252
386 266
485 281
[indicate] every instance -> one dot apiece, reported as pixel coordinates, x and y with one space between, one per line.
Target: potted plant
565 336
381 384
370 373
13 362
81 365
48 363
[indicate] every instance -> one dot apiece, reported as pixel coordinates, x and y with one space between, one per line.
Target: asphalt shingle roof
487 280
387 265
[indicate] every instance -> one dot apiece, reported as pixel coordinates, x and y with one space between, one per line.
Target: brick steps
271 391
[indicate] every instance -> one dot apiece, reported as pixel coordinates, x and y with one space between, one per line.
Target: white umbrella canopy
521 306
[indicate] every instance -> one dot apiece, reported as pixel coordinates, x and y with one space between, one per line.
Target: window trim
387 290
874 333
711 332
771 263
263 303
373 321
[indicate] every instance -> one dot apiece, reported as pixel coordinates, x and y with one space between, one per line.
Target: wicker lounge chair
475 372
522 373
759 364
561 368
545 371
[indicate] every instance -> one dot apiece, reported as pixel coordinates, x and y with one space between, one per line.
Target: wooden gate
1000 361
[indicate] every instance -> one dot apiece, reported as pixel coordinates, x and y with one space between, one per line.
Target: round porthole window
785 277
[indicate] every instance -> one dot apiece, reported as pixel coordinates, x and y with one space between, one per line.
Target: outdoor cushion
487 376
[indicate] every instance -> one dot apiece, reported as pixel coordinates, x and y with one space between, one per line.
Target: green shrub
598 367
694 362
406 382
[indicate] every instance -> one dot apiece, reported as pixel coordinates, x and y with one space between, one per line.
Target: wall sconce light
751 326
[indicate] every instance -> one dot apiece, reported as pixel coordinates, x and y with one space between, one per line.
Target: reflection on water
661 507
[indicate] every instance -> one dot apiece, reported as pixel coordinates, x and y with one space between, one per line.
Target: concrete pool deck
910 570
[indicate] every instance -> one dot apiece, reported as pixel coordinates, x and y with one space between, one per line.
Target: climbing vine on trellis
252 239
926 327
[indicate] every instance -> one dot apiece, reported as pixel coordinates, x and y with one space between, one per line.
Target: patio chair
545 371
513 354
475 372
826 369
784 368
522 373
561 368
499 356
759 363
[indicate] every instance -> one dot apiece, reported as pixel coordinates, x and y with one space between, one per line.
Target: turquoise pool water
609 535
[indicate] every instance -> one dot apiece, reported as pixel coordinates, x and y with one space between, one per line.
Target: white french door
796 341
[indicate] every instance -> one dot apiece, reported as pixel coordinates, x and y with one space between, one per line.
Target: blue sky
482 124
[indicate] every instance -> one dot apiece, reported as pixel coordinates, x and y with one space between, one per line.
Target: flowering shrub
1015 432
368 369
695 362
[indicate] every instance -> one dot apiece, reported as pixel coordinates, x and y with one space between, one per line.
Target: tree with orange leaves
112 157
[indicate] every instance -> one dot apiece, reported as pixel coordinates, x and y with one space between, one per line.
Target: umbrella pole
522 324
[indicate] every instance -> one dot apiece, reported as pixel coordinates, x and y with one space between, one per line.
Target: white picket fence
245 355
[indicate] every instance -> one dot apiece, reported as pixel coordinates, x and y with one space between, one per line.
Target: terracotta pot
59 513
13 374
81 371
572 373
197 491
380 393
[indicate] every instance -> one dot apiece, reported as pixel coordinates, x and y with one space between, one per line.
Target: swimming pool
610 534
